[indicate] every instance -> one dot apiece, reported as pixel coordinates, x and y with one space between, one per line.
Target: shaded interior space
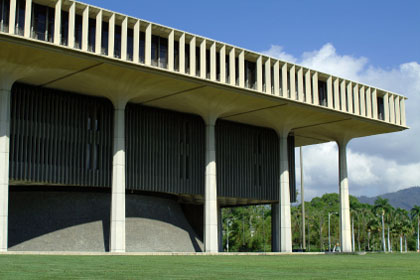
77 219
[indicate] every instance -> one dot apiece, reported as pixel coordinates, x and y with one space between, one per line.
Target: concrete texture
80 221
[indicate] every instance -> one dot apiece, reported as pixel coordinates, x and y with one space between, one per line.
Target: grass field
370 266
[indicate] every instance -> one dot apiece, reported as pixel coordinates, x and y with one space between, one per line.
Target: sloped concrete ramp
79 221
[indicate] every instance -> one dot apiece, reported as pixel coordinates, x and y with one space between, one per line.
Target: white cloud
377 164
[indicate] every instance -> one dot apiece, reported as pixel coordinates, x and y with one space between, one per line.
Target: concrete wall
79 221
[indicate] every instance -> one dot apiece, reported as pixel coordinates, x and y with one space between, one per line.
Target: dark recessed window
130 44
237 71
250 74
4 15
227 68
263 78
159 51
187 58
92 35
104 39
176 55
381 111
20 17
197 61
142 46
322 93
78 32
42 23
117 41
208 62
64 27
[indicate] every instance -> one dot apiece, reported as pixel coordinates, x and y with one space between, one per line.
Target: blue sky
374 42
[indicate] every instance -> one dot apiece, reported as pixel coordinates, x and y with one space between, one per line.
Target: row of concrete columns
282 235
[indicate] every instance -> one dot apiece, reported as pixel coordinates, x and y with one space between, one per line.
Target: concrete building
125 135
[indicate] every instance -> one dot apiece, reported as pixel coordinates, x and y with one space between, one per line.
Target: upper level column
117 231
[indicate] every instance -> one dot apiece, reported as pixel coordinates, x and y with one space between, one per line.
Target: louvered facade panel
164 151
60 138
248 162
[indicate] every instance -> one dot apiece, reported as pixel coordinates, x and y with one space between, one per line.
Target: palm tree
382 207
415 213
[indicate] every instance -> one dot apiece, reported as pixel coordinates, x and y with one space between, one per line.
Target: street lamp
329 229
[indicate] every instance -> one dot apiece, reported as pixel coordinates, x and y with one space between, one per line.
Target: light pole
329 229
228 224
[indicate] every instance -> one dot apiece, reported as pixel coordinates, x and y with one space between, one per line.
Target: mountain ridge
404 199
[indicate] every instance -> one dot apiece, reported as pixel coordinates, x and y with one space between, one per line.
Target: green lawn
380 266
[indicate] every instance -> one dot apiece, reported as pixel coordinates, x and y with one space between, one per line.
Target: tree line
378 227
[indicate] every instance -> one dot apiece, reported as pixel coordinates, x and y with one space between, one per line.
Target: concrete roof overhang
44 64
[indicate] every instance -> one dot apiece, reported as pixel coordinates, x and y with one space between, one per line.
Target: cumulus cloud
376 164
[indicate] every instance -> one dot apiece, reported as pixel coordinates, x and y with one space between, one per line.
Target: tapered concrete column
85 29
117 232
284 196
277 80
301 93
222 59
275 241
12 16
98 33
136 41
210 193
345 226
330 92
5 91
284 80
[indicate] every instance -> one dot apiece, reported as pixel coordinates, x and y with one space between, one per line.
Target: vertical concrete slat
148 45
292 79
356 99
374 104
28 19
308 89
241 69
403 119
171 53
368 102
72 19
391 108
330 93
301 90
124 39
284 80
182 53
397 111
203 62
276 67
212 61
12 16
386 107
98 33
192 56
336 94
343 96
223 64
315 88
259 74
232 70
57 22
85 28
136 41
111 35
268 81
362 101
350 97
